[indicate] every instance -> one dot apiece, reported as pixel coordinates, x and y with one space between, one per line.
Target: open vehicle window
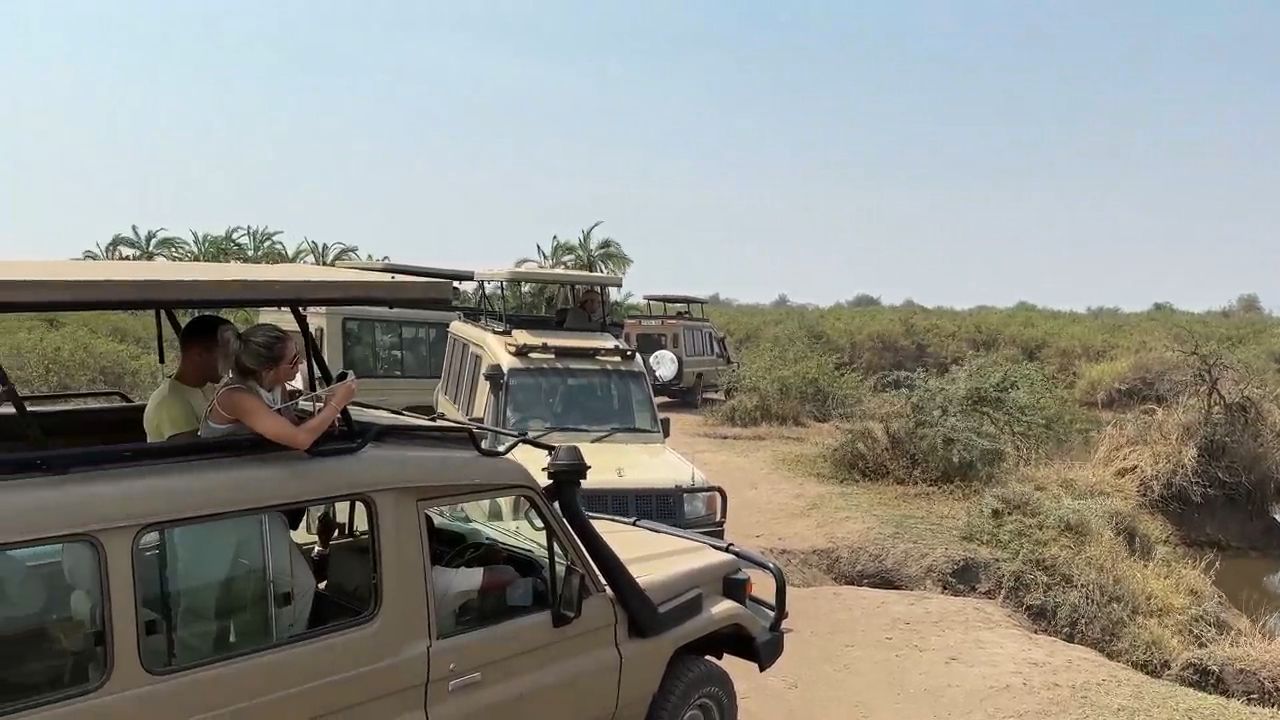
492 560
53 636
220 588
579 398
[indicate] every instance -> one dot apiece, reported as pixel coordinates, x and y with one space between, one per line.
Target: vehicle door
496 652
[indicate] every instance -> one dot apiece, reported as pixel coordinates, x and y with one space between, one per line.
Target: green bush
964 425
788 382
44 357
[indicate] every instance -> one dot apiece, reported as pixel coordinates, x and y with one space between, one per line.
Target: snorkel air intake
566 470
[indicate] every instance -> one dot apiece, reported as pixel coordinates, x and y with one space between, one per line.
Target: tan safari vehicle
685 354
513 363
375 575
398 353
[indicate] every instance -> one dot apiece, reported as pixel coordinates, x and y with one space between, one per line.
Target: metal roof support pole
159 339
322 367
10 393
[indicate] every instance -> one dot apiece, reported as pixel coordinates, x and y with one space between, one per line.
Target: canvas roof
87 285
548 276
677 299
423 271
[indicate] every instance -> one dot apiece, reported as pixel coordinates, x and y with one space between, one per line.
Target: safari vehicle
398 353
230 577
512 364
686 355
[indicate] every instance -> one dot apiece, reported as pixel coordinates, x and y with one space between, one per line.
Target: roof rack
569 350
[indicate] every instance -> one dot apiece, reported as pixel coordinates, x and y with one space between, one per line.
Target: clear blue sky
1070 153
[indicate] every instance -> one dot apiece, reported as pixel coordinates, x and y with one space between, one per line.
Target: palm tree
547 260
110 251
603 256
151 245
209 247
622 306
309 251
260 244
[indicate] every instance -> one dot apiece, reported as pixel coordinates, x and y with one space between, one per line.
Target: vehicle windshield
584 399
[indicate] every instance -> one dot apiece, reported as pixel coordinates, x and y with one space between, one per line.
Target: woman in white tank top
263 360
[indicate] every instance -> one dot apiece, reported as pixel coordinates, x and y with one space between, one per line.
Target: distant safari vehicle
685 354
519 363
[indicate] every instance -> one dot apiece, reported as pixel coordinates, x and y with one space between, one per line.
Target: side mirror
573 591
493 374
665 423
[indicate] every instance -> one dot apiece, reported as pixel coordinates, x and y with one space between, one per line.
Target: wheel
694 688
694 396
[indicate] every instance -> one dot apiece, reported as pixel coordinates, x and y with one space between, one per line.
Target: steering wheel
464 553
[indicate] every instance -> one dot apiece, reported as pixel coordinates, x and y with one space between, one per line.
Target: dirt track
863 653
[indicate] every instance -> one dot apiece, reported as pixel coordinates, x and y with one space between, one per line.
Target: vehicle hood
622 465
666 566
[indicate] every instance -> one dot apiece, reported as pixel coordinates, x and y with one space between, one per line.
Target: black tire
691 681
693 397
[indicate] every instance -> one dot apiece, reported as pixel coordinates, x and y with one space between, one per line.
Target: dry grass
1095 568
1155 378
1246 668
1187 452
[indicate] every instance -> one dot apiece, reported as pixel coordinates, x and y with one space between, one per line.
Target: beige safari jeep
515 364
399 568
685 354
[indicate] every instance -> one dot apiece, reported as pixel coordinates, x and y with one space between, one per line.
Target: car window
649 343
53 636
492 560
219 588
389 348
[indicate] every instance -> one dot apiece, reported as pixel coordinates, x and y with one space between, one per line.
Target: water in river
1252 584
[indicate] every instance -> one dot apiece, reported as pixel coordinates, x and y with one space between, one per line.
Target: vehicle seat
21 592
81 569
562 314
351 573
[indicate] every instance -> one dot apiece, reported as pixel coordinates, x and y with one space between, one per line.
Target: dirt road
862 653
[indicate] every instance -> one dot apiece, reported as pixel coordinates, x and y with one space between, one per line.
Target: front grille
659 507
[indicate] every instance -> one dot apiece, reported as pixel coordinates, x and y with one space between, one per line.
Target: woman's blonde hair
254 351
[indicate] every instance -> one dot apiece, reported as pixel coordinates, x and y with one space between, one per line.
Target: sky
1069 154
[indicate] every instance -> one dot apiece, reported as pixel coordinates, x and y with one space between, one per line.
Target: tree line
239 243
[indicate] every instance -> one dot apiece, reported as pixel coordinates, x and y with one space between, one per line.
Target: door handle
462 682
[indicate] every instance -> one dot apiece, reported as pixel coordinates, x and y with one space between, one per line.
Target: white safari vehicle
514 364
374 576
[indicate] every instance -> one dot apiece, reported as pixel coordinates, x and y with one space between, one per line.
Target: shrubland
1092 451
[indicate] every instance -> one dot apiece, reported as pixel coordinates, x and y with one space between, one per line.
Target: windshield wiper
559 428
615 430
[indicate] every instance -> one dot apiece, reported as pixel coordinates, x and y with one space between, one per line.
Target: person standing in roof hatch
251 399
588 313
174 410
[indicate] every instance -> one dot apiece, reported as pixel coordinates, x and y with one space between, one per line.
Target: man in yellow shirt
176 407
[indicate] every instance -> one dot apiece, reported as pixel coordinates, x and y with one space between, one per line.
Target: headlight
698 505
